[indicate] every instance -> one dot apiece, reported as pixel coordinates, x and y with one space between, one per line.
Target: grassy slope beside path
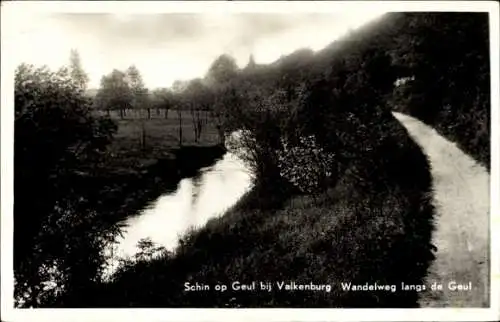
461 198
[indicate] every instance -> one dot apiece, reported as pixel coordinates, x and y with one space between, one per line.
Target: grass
161 136
374 225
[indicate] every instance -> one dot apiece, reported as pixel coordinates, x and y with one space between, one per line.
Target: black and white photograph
228 155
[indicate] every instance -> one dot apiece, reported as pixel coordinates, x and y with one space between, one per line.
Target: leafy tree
227 108
140 97
222 70
162 98
77 73
115 93
178 88
222 77
198 97
258 119
58 146
251 63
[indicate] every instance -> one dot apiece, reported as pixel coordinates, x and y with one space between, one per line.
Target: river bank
126 190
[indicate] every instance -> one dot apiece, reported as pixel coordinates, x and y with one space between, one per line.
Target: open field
141 141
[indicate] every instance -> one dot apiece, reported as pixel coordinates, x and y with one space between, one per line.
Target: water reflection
195 201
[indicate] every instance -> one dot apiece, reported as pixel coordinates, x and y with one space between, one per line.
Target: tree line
124 91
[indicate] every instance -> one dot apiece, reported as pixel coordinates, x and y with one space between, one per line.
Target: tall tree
139 91
222 70
114 93
251 63
162 98
77 73
197 97
178 88
219 77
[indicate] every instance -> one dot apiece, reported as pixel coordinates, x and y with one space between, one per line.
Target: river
195 201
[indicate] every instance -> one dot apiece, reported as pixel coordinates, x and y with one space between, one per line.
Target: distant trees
162 98
139 98
115 93
121 91
58 145
251 63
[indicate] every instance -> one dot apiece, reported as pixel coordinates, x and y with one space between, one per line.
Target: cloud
168 46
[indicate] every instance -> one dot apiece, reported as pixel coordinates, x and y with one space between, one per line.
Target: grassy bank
125 191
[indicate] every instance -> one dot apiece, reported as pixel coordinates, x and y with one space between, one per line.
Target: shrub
306 165
57 235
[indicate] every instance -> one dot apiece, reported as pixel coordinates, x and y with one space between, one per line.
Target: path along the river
461 198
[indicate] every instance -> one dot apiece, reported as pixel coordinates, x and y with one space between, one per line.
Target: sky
172 46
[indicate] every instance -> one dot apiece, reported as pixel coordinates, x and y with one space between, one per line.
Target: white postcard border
14 10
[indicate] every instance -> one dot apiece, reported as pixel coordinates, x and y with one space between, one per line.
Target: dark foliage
445 56
55 226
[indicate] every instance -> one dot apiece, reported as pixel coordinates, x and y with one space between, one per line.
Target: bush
306 165
258 119
57 235
446 56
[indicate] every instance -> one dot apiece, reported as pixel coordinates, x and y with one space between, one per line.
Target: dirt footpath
461 198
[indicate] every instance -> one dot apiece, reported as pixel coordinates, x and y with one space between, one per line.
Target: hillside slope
461 200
